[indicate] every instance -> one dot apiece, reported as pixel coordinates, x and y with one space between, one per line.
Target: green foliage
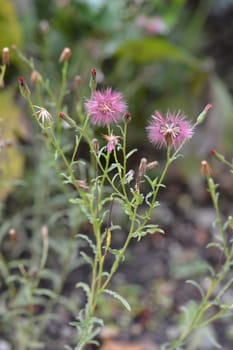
10 28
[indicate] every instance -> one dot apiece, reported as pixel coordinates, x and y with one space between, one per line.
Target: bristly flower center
170 131
106 108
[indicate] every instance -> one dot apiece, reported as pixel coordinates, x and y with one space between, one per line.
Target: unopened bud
82 184
68 120
217 155
152 165
65 55
93 82
23 87
142 167
127 117
205 168
77 82
44 232
141 172
13 234
96 145
35 77
202 115
5 56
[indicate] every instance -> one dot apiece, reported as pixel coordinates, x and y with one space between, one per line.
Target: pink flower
171 129
106 107
152 25
112 141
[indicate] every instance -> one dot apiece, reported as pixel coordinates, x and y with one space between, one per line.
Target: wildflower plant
104 180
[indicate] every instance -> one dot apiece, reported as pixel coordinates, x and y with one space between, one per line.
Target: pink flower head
171 129
112 141
106 107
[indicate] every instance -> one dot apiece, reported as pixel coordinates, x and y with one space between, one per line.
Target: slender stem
214 198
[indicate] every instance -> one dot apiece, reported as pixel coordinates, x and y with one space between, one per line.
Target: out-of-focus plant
212 306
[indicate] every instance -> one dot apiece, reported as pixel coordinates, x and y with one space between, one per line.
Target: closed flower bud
5 56
93 82
44 232
202 115
152 165
142 167
77 82
217 155
35 77
127 117
13 234
23 88
205 168
68 120
141 171
65 55
96 145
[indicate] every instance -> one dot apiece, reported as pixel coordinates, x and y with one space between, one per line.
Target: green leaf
215 245
198 286
89 241
84 287
148 229
87 258
189 312
130 153
155 49
118 297
45 292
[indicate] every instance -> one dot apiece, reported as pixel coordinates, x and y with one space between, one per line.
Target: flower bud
96 145
77 82
202 115
13 234
68 120
5 56
65 55
35 77
142 167
82 184
44 232
93 82
141 172
205 168
23 88
152 165
217 155
127 117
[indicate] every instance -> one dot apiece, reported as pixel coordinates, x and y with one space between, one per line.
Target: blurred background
162 55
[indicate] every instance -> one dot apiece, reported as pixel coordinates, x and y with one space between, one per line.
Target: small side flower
112 141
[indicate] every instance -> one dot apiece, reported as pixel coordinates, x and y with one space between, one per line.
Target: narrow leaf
118 297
